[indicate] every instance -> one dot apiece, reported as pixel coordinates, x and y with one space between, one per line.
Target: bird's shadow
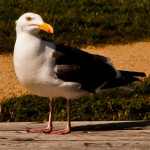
131 125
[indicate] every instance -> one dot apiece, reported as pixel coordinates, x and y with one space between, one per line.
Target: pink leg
49 127
68 128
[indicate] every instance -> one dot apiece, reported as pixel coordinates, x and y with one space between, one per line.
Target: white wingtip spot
55 68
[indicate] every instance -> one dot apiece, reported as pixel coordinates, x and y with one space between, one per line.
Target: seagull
55 70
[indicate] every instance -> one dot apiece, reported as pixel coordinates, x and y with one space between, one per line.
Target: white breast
34 67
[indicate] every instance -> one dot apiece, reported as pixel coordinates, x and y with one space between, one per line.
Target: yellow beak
46 27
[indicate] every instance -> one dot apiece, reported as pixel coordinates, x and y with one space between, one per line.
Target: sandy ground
132 57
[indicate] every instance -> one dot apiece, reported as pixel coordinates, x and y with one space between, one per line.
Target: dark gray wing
75 65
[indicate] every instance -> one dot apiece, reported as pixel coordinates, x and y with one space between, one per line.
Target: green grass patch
114 104
81 22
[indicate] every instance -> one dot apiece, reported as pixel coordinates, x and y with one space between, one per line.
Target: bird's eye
28 18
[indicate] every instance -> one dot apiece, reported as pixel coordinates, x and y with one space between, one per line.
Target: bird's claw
46 130
49 131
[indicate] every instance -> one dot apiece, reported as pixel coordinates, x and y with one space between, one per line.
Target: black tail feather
127 77
132 73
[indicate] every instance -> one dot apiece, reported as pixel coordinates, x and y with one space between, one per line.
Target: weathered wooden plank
84 135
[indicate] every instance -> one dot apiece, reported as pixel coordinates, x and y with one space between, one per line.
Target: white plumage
53 70
34 65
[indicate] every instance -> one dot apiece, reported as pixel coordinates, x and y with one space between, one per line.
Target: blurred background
80 23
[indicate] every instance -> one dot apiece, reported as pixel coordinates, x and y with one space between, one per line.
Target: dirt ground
132 57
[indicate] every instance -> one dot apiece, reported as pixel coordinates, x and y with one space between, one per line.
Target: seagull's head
32 23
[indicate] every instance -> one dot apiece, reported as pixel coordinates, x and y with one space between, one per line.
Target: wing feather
75 65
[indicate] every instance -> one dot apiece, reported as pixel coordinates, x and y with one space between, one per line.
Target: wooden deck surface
97 135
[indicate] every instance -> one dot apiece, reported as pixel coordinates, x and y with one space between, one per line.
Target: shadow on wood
132 125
